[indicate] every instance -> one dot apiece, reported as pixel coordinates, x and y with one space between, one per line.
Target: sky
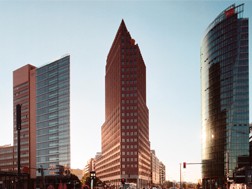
169 35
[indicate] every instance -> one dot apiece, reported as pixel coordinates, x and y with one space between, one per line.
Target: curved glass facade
225 95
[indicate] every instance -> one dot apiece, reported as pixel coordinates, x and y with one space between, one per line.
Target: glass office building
225 96
53 115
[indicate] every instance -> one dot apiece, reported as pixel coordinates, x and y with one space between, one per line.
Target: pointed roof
122 25
122 28
121 31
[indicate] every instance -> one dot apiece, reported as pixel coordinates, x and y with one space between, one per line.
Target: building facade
155 169
162 173
250 142
7 158
90 166
53 115
225 95
125 132
24 93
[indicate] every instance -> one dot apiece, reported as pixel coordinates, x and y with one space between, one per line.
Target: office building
6 158
224 95
125 151
53 115
24 93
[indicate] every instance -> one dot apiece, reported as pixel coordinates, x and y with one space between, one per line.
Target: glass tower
225 95
53 115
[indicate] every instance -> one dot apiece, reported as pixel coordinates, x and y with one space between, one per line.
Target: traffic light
92 175
123 181
18 117
184 165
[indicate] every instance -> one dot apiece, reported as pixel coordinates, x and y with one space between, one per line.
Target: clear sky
169 34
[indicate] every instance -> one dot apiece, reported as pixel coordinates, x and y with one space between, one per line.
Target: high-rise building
44 96
125 132
225 95
53 115
24 93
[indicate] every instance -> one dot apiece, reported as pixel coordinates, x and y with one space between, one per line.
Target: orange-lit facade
125 132
24 93
7 158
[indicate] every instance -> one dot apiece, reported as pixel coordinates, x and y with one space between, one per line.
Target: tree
86 180
73 181
168 184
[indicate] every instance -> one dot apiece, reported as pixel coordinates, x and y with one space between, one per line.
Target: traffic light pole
92 183
180 173
92 176
18 127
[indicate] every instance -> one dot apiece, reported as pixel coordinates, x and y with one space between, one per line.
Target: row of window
129 159
52 81
134 94
132 56
128 50
21 85
127 82
129 140
21 92
129 107
129 127
129 146
132 75
61 109
129 153
129 88
129 120
129 101
46 145
129 69
6 157
55 86
132 62
129 133
62 66
129 114
129 165
21 99
6 163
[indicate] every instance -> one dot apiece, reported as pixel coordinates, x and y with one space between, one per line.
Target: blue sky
169 34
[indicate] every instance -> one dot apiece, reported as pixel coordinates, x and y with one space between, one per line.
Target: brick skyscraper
125 132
